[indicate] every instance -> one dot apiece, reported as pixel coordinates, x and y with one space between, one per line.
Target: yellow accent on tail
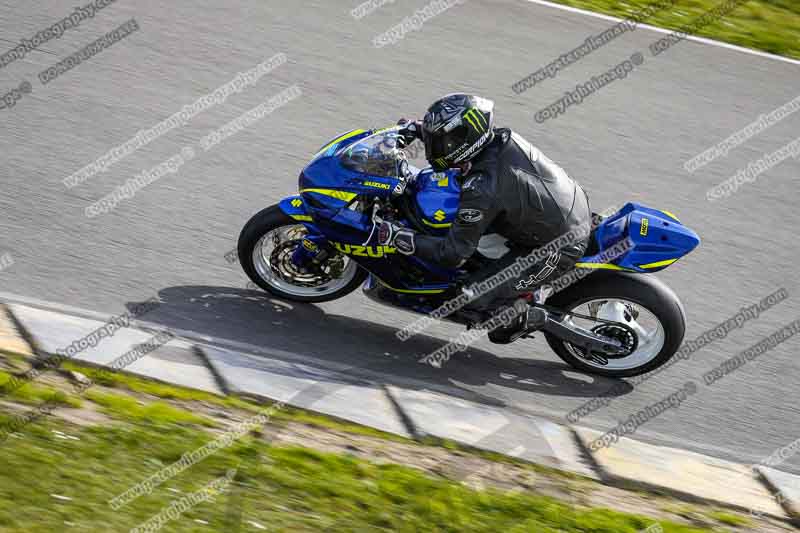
670 215
603 266
657 264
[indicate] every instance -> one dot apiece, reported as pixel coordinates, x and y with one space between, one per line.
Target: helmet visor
440 144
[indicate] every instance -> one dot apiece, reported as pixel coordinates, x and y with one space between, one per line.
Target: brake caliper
308 254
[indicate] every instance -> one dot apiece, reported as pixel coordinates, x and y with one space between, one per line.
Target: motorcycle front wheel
266 245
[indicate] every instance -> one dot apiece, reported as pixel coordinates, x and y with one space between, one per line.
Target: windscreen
377 155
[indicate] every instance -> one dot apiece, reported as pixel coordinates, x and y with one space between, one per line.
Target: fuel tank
437 196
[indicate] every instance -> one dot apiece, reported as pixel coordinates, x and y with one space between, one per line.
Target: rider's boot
516 328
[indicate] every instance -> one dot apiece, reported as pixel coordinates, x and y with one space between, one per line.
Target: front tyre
652 319
266 245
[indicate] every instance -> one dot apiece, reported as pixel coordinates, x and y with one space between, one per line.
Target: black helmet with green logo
456 128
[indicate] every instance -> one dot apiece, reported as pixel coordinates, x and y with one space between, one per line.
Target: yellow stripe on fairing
412 291
657 264
304 218
339 195
340 139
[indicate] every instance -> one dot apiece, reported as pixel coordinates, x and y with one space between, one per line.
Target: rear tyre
266 244
654 320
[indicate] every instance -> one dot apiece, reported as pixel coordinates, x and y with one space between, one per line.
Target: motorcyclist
513 201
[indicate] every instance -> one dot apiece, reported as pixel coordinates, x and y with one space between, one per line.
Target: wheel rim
650 333
272 261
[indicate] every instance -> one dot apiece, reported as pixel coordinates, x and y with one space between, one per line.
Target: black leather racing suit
516 192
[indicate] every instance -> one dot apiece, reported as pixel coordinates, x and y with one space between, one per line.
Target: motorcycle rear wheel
642 304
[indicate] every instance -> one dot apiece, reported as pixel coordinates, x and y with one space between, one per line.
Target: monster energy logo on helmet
476 119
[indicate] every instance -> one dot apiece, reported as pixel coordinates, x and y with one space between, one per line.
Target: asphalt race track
627 142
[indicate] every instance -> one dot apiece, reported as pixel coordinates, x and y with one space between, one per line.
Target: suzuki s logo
364 251
643 229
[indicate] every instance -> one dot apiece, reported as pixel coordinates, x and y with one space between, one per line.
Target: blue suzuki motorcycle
320 245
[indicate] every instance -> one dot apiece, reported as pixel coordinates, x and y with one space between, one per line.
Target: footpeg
537 317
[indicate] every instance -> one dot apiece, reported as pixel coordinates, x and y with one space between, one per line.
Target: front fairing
357 163
363 165
337 189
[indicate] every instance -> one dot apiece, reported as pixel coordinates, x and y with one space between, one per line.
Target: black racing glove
398 237
410 130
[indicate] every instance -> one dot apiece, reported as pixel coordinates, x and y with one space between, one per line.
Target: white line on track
702 40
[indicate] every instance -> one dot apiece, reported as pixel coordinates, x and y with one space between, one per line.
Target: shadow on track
231 314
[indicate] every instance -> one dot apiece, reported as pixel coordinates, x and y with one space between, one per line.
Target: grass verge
57 478
35 394
59 475
767 25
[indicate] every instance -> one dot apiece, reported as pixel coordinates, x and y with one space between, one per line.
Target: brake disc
284 267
